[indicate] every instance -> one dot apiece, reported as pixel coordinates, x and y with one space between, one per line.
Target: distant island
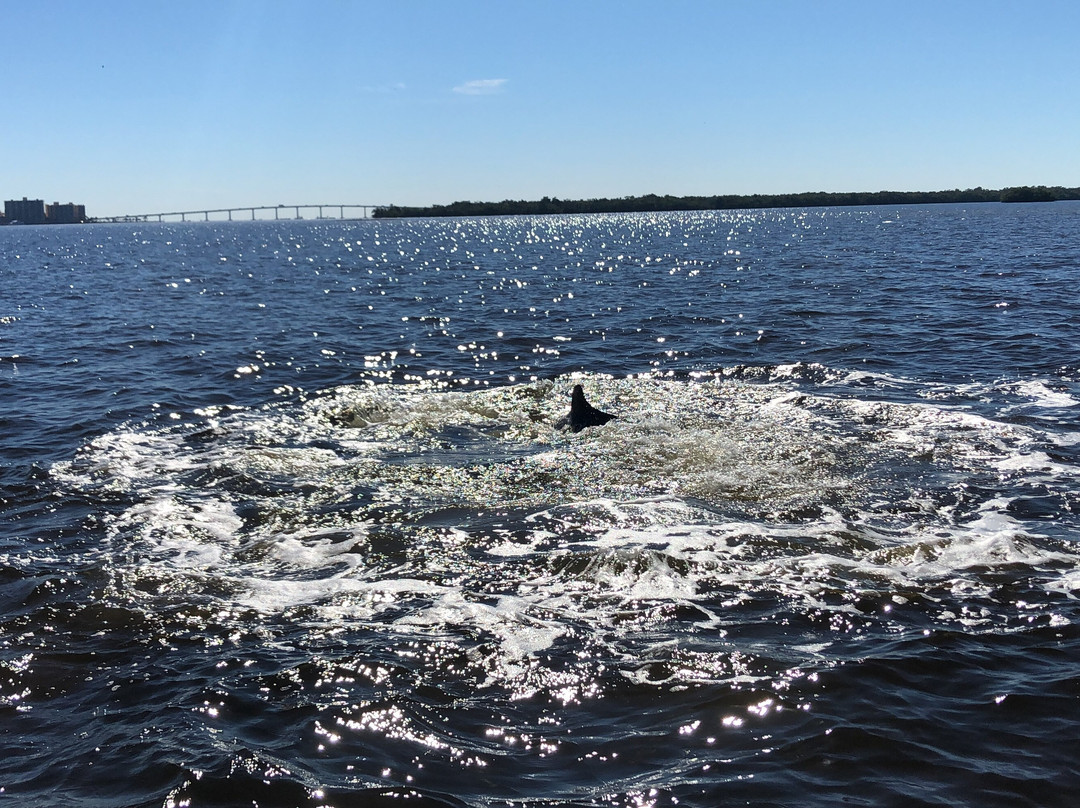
652 202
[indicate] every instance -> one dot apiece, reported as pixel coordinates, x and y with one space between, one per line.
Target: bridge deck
226 214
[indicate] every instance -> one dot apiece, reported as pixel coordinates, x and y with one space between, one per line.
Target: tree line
653 202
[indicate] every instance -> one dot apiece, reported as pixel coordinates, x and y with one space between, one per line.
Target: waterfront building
26 211
35 211
65 214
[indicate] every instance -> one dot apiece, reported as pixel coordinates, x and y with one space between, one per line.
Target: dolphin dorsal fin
582 413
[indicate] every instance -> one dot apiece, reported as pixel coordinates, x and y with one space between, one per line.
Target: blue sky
139 107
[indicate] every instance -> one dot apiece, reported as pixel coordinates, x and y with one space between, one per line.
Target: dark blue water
285 520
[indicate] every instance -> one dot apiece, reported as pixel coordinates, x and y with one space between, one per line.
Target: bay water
285 519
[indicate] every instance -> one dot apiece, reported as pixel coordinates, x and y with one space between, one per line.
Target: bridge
254 213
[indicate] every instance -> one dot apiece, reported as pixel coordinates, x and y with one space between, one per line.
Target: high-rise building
65 214
26 211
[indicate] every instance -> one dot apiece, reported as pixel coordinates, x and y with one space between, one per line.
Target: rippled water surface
286 520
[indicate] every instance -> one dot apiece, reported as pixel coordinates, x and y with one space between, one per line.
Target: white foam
184 535
1067 584
126 460
511 620
1043 396
311 552
673 505
1032 461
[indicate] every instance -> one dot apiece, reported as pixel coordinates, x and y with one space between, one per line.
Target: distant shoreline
653 203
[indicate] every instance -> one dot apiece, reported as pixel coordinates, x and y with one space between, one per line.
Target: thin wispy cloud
383 88
481 87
